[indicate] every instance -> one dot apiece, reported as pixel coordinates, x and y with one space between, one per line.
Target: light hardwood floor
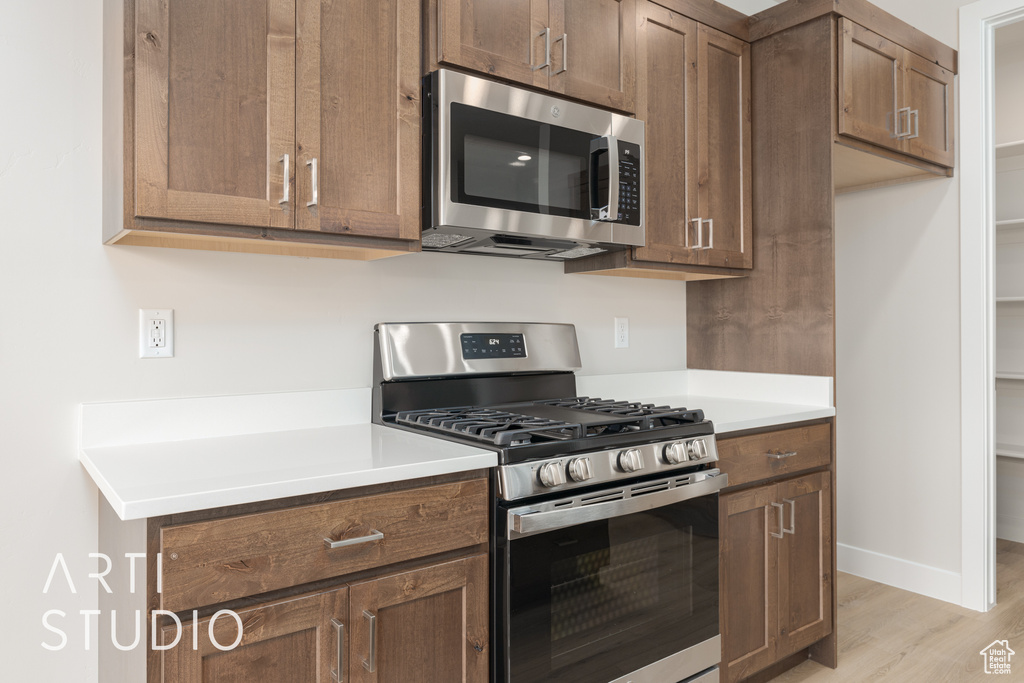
889 634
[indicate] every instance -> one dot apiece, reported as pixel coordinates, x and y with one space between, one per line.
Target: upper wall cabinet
693 93
894 98
291 126
582 49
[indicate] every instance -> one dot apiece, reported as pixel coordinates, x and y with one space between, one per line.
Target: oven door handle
524 522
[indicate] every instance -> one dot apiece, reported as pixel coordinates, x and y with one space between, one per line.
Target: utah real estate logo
997 657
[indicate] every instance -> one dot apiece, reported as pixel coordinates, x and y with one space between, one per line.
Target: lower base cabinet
776 572
427 625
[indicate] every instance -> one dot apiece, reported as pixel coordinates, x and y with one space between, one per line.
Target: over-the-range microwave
509 172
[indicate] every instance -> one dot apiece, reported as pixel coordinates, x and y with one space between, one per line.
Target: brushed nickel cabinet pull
339 634
779 455
782 529
565 52
915 117
547 49
792 516
711 234
370 664
315 183
373 536
287 180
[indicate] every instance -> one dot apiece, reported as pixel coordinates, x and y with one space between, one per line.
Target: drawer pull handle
374 536
792 516
779 455
339 633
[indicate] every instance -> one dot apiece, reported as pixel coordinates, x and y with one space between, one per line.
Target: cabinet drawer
783 451
209 562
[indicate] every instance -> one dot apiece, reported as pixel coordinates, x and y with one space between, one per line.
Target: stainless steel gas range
604 543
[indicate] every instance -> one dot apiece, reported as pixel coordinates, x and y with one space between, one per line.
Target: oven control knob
698 449
551 474
631 460
676 453
579 469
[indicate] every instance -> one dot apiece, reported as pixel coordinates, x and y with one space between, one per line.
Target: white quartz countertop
153 458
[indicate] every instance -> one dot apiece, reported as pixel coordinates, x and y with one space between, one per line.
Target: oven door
525 164
616 584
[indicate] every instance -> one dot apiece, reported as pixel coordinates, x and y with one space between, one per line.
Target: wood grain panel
724 164
206 563
748 459
805 562
290 641
214 101
667 103
496 37
928 91
748 568
359 118
780 318
594 58
432 624
869 87
713 14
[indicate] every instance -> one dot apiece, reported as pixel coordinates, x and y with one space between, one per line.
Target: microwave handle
609 211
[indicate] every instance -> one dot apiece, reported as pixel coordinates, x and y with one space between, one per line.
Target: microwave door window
508 162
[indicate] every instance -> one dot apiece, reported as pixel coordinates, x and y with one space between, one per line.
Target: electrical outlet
156 333
622 333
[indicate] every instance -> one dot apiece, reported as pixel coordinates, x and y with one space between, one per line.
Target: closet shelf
1010 375
1011 450
1010 224
1009 149
1009 299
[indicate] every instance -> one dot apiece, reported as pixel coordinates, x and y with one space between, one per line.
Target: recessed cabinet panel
593 50
214 117
929 90
496 37
724 150
667 102
359 118
868 82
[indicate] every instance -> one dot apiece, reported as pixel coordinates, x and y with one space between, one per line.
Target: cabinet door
748 567
868 86
805 562
666 101
428 625
358 121
292 641
215 111
724 190
503 38
593 53
928 91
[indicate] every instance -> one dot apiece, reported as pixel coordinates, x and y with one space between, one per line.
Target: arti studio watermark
54 619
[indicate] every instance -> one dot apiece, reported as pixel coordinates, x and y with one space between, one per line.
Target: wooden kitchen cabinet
693 93
298 640
242 129
583 49
894 98
776 572
428 625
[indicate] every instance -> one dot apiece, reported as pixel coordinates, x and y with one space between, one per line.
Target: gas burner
497 427
664 415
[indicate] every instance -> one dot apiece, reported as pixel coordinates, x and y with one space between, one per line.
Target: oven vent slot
603 497
644 489
564 504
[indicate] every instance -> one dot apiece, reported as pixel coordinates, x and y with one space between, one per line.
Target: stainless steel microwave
509 172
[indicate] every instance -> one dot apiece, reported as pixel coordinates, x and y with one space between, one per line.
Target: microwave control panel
630 189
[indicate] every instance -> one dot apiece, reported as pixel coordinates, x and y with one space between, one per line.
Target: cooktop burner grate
502 428
629 409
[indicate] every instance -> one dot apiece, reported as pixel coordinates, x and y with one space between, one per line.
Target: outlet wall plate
622 333
156 333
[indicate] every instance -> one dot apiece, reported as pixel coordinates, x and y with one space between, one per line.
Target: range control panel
630 189
493 346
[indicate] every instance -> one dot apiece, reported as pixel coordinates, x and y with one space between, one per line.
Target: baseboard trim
1010 528
910 576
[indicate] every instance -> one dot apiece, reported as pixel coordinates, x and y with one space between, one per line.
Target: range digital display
476 346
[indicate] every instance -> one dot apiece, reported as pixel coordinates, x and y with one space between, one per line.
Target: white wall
1009 65
898 367
245 323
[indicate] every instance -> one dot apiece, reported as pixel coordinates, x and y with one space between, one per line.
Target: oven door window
599 600
507 162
